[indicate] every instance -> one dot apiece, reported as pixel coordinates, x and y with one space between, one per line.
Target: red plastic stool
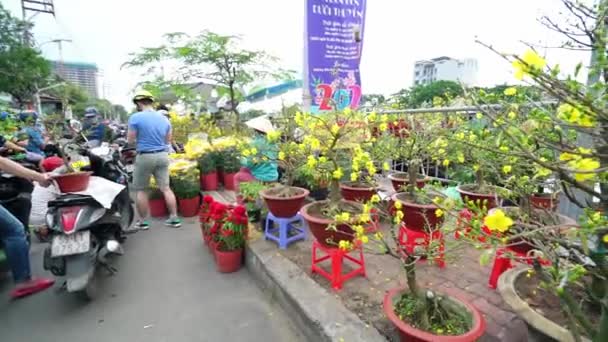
373 225
503 263
410 239
337 257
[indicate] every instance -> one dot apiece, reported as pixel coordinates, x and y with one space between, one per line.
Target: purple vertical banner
332 54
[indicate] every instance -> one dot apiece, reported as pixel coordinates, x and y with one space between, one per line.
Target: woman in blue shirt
31 137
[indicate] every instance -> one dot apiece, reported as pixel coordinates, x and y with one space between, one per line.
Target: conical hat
261 123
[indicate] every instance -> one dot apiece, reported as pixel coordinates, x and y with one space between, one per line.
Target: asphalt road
167 289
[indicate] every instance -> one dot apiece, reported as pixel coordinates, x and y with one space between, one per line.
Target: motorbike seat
71 200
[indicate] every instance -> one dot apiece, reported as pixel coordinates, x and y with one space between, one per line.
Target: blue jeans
12 235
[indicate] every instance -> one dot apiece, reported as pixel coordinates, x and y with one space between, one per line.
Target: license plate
76 243
130 168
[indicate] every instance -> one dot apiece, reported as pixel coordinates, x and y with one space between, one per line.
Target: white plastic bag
40 199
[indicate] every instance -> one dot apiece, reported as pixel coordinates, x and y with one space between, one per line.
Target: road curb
318 314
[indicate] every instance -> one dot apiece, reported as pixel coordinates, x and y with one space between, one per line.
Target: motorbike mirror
76 125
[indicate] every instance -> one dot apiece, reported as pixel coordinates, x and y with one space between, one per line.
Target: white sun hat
261 123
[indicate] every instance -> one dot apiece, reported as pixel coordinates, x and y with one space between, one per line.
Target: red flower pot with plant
186 186
232 237
209 178
205 216
217 216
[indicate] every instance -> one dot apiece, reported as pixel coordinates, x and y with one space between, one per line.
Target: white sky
398 32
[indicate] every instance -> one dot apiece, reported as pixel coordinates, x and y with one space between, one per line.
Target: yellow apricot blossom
497 220
510 91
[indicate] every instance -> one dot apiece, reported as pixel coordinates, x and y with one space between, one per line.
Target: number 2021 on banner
342 98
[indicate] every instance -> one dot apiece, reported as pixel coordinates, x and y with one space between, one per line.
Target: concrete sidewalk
167 289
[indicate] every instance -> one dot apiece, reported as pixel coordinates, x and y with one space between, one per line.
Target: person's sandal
173 222
142 225
31 286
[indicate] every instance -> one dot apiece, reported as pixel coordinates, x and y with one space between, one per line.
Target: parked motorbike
84 234
127 156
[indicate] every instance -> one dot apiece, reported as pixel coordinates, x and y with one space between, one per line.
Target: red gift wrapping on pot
188 207
244 175
229 181
209 181
158 208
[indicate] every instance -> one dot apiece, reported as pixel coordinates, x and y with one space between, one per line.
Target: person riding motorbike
31 137
94 128
13 236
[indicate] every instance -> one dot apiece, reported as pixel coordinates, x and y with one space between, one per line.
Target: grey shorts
151 164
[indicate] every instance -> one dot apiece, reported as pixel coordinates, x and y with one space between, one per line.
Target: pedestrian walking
150 132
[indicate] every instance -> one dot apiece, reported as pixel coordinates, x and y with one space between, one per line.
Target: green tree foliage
208 56
22 68
373 99
421 95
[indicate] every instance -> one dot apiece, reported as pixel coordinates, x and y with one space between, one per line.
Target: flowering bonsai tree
569 141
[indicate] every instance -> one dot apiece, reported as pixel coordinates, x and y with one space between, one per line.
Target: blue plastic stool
279 229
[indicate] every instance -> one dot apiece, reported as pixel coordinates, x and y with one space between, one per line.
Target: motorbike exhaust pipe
111 247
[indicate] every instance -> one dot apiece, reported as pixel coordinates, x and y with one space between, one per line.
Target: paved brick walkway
462 274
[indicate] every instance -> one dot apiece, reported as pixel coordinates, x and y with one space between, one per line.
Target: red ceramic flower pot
188 207
228 261
284 207
229 181
466 195
220 175
419 217
318 226
357 193
408 333
209 181
73 182
213 244
401 180
544 201
158 207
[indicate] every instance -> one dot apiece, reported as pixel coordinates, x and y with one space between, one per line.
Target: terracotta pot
408 333
544 329
352 192
284 207
419 217
520 245
400 180
73 182
545 201
399 128
188 207
229 181
228 261
318 227
466 195
209 181
158 207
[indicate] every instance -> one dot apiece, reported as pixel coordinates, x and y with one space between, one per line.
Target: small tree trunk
421 302
412 171
479 178
334 191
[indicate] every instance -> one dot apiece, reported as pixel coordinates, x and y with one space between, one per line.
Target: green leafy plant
207 163
184 179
